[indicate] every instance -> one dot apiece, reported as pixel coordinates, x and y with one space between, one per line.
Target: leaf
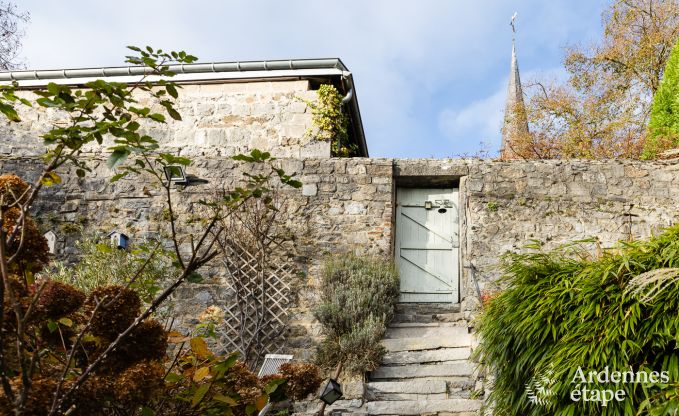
174 378
199 347
201 373
225 399
66 322
194 277
199 394
145 411
157 117
174 114
261 401
50 178
172 90
9 112
273 384
117 157
51 325
119 176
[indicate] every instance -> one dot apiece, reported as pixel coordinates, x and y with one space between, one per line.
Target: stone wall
348 205
220 119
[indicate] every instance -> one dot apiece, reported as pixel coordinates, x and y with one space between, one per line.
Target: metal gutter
198 68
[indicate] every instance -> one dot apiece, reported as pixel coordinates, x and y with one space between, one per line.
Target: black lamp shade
331 392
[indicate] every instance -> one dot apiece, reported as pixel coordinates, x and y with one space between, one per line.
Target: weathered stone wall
348 204
221 119
504 205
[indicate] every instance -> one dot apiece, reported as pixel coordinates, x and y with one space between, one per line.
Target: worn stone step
426 356
430 343
447 368
419 407
443 330
412 324
455 317
427 308
407 386
405 396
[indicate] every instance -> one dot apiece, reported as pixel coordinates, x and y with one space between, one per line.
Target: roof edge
196 68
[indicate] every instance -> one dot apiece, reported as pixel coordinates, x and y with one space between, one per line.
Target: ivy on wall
330 122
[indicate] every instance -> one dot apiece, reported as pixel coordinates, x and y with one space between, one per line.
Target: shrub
302 379
34 254
100 264
563 310
58 299
663 127
119 308
13 190
358 297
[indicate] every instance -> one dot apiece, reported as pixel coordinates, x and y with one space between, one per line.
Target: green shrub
101 264
358 297
563 310
663 128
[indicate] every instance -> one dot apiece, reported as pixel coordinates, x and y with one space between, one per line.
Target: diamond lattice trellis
256 308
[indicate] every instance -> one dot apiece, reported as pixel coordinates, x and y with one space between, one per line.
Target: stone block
309 189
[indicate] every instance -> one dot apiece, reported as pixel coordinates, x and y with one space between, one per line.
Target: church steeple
515 123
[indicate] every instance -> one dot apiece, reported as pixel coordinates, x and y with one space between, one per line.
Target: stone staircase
426 369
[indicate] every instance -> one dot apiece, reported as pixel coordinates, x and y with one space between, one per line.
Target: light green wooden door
427 244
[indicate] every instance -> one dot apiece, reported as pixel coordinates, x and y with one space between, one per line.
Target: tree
37 377
11 34
664 124
602 111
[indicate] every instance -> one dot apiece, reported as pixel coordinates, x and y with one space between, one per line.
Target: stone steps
420 407
427 367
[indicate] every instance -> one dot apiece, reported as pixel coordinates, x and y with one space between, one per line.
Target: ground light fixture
331 392
175 174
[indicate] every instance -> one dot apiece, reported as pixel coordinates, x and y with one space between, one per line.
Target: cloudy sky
431 75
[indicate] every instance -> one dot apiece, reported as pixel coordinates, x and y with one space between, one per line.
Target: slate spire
515 123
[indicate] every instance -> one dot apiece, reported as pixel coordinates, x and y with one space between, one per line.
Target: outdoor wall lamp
175 174
331 392
428 205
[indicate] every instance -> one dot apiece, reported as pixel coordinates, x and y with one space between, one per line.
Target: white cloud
480 120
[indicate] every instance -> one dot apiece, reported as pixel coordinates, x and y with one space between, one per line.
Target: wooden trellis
256 321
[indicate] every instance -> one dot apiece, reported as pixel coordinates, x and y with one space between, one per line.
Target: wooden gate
427 244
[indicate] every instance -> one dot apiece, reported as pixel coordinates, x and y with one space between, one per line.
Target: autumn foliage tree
603 109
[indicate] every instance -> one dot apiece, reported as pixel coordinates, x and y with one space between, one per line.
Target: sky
431 75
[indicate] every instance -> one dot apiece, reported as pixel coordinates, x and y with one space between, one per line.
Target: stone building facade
345 204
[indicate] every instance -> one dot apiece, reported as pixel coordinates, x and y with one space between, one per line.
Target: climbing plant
330 121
